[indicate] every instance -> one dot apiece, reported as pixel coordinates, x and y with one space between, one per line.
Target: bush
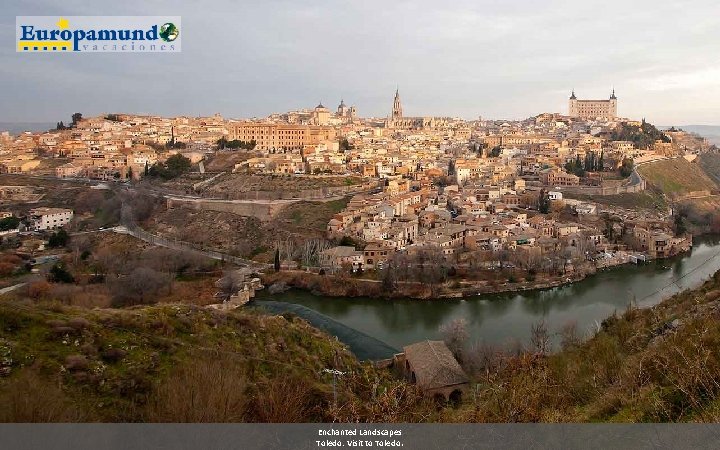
139 287
39 289
58 274
29 398
207 389
59 239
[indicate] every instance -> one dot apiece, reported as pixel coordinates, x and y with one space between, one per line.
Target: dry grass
677 176
30 398
207 389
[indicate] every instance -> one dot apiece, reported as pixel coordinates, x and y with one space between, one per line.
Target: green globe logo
169 32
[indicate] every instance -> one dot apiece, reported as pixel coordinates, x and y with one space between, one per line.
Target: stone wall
263 209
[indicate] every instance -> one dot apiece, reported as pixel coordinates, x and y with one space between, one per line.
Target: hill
177 363
677 177
647 365
181 363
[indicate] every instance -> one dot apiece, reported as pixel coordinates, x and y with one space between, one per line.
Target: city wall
263 210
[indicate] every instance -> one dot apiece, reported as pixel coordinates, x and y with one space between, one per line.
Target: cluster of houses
458 220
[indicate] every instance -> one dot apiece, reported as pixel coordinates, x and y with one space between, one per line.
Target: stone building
398 121
593 109
432 366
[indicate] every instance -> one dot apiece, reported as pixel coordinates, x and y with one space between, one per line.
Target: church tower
397 106
572 105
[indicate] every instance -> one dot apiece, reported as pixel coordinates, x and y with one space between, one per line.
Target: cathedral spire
397 105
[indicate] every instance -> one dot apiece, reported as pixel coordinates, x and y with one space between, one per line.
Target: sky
493 59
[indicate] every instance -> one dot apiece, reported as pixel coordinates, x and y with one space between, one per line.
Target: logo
95 34
169 32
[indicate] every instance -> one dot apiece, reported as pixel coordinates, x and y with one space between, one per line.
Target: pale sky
496 59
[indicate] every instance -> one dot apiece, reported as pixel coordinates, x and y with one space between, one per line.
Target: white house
50 218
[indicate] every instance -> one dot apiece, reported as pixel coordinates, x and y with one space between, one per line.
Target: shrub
29 398
58 274
39 289
206 389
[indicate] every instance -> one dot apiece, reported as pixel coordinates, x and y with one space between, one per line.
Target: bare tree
141 286
230 283
569 337
540 337
455 335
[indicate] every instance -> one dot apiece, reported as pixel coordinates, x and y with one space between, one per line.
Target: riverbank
352 285
348 286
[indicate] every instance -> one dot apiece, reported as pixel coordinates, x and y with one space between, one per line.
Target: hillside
677 177
647 365
180 363
710 163
177 363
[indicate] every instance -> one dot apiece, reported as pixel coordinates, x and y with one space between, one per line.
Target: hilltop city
130 244
467 197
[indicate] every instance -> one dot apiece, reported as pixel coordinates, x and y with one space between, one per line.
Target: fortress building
593 109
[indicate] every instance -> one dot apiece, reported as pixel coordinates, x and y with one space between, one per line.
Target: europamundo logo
95 34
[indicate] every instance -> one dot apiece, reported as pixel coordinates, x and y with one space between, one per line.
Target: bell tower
397 106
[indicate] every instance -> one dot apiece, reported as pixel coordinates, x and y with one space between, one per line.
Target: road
8 289
154 239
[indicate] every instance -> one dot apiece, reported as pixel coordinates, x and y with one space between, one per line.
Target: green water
500 319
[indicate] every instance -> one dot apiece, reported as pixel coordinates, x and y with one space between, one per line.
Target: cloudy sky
510 59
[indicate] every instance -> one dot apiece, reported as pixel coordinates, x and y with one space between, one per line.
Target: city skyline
462 60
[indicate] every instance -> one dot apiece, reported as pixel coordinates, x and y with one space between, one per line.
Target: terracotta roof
434 365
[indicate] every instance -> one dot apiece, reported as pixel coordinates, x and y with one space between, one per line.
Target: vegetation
58 238
345 145
236 144
173 167
626 169
591 163
176 363
59 274
648 365
675 177
643 136
181 363
9 223
543 202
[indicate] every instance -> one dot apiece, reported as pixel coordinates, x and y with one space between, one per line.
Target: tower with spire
397 106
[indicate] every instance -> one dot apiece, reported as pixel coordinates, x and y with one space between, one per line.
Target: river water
499 319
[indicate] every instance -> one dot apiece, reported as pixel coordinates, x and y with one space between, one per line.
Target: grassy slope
710 163
676 176
311 215
647 199
651 365
181 363
176 363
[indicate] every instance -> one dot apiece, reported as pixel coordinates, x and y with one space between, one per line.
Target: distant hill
677 177
711 132
19 127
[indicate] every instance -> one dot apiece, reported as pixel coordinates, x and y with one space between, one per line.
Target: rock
278 288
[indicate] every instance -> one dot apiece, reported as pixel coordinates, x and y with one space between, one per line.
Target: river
499 319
